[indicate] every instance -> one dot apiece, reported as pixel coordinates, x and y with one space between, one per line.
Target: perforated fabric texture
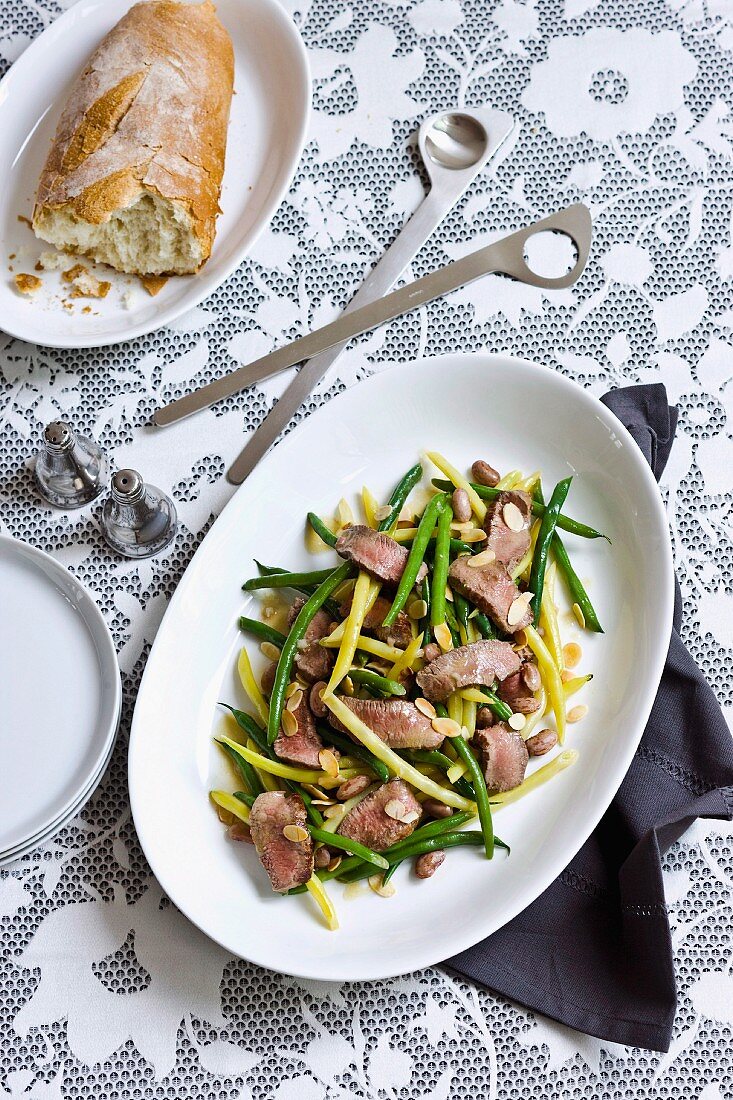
625 106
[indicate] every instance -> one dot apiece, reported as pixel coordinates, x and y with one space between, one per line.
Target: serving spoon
454 146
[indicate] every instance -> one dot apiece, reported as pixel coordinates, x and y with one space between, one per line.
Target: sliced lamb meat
313 661
478 663
504 756
371 825
492 590
515 692
399 634
289 863
376 553
396 721
508 544
304 746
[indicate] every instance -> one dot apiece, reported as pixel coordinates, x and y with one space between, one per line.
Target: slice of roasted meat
289 863
507 524
399 634
478 663
376 553
303 746
375 821
312 661
396 721
493 591
504 756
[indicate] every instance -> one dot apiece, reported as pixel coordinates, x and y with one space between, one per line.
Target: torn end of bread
134 173
152 235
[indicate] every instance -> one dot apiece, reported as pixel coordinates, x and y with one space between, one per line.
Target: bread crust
149 114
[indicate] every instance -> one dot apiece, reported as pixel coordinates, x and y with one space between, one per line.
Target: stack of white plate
60 697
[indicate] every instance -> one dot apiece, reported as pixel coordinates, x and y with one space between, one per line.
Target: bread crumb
27 284
11 256
153 283
128 299
51 261
87 309
26 221
84 284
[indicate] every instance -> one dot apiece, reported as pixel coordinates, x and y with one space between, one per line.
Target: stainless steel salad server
505 257
454 146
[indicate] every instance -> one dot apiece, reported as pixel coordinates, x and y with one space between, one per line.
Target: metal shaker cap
71 469
138 520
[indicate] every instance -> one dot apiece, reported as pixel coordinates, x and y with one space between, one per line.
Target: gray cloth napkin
594 950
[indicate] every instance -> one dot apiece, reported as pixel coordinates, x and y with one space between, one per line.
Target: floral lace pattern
106 989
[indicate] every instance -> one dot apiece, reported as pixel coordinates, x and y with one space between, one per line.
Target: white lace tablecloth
105 989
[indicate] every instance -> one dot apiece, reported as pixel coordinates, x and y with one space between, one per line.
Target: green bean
471 838
248 799
501 709
390 871
575 585
401 492
433 510
350 748
335 840
440 567
371 679
485 625
246 771
297 631
573 526
305 589
321 530
261 630
433 828
452 622
542 545
456 546
479 786
252 728
287 580
428 756
460 606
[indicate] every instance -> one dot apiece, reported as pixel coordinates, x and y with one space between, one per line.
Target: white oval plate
60 695
515 414
267 129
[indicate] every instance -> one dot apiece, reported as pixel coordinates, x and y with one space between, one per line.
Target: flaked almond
316 792
517 721
578 612
461 527
518 609
571 654
576 713
566 675
449 593
382 512
296 833
425 707
418 609
512 517
484 557
289 723
395 809
322 802
347 685
411 817
377 885
443 637
329 763
446 727
291 689
474 534
270 651
335 863
294 701
333 811
268 611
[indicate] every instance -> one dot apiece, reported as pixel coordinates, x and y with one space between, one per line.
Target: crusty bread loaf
134 172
